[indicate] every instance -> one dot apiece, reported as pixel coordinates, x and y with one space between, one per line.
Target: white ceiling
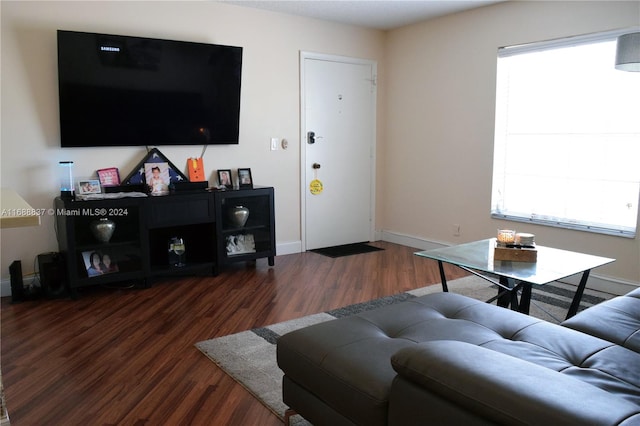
377 14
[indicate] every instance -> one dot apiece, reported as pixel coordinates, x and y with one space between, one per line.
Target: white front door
338 150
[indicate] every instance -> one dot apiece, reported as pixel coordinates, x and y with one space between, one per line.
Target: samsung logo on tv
109 49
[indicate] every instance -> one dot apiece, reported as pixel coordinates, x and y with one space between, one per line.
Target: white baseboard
289 248
605 284
410 241
5 288
5 284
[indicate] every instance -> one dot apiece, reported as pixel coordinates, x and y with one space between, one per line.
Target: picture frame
244 178
139 174
240 244
157 177
88 186
98 262
109 176
225 179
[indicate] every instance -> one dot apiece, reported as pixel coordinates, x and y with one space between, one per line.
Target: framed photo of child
157 177
224 178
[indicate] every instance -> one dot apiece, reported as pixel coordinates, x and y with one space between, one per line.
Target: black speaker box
53 280
17 288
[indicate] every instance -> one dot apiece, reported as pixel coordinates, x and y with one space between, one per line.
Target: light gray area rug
250 356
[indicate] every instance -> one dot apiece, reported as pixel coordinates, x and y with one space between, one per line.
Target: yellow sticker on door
315 187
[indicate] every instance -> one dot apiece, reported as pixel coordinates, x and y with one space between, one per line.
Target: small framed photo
89 186
157 177
224 178
109 177
244 178
99 263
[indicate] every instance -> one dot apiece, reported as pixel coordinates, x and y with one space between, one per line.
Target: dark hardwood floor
127 356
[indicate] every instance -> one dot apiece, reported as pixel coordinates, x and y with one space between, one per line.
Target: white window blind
567 137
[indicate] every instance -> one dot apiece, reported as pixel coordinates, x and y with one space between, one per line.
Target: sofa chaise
449 359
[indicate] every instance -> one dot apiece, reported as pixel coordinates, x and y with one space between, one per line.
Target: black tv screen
128 91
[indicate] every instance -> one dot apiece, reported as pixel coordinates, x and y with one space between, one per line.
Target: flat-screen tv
128 91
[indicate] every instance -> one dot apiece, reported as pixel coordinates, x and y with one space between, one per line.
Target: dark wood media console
139 247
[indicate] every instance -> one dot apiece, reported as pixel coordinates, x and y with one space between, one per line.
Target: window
567 136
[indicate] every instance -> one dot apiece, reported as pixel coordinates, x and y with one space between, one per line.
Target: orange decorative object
196 169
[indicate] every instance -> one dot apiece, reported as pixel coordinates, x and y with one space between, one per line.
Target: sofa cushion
346 362
616 320
498 387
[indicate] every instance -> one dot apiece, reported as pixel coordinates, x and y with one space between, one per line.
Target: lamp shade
628 52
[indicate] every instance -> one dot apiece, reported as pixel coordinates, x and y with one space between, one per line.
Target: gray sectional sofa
448 359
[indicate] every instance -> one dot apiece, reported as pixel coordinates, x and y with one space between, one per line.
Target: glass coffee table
552 265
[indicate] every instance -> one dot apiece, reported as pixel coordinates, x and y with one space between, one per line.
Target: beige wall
30 140
440 118
435 109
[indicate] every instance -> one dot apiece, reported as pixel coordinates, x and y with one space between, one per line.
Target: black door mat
346 250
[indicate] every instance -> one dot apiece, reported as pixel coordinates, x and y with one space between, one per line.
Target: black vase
238 216
103 229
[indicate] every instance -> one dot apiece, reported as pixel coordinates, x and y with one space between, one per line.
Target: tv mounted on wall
129 91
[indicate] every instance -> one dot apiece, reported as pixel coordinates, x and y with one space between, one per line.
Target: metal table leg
575 303
525 298
504 297
443 279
